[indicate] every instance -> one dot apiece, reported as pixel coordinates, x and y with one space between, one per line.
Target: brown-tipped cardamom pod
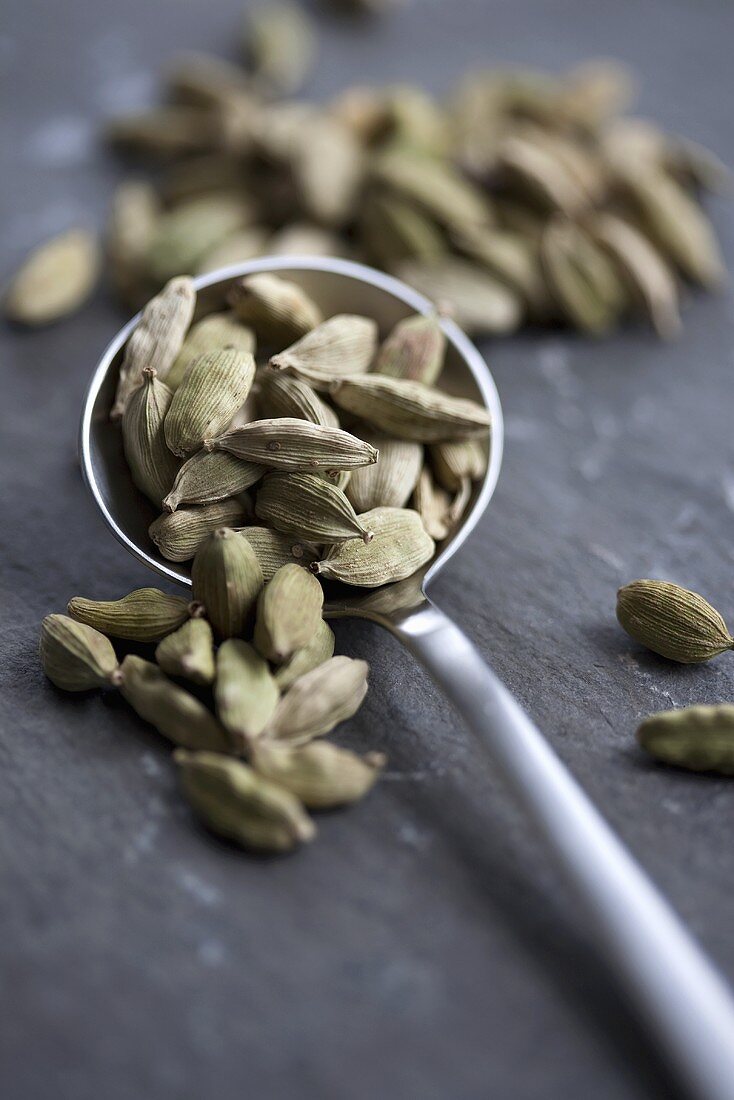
288 613
235 802
179 535
215 387
433 504
399 547
212 333
288 443
342 346
274 549
320 700
189 652
309 507
391 480
245 692
672 621
211 476
477 301
157 338
454 463
56 279
581 279
277 309
185 234
170 708
414 350
410 410
75 657
227 578
698 738
282 395
322 775
319 649
144 615
152 465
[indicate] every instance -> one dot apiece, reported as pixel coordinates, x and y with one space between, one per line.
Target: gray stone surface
423 947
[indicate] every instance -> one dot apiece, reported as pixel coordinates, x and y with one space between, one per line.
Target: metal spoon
688 1007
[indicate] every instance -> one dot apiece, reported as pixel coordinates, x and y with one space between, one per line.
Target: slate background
423 947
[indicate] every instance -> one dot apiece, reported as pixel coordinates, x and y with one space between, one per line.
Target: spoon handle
686 1003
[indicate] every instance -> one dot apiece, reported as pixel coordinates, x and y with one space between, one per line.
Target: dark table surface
423 947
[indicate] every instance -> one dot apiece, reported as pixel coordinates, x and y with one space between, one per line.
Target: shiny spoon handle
686 1003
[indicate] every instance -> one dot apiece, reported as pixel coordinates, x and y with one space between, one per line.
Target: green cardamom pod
320 700
340 347
210 476
274 549
247 244
304 239
174 712
288 613
189 652
227 578
212 333
281 47
394 231
477 301
391 480
322 775
180 534
74 656
454 463
410 410
672 621
144 615
185 234
309 507
215 387
400 546
245 692
414 350
698 738
433 505
133 215
202 80
152 465
327 163
538 176
435 187
163 132
581 278
512 258
235 802
288 443
56 279
277 309
318 649
281 395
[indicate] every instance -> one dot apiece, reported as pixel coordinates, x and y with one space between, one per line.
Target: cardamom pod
227 578
174 712
212 333
152 466
274 550
698 738
342 346
672 621
215 386
211 476
288 613
288 443
247 244
322 775
164 132
133 215
318 649
201 80
56 279
393 232
280 47
320 700
74 656
476 300
414 350
391 480
433 505
535 173
303 239
179 535
277 309
245 692
144 615
281 395
189 652
410 410
309 507
455 463
513 259
581 279
435 187
400 546
235 802
184 235
327 165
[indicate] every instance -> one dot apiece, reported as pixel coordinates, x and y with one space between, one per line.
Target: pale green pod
288 443
152 465
400 546
282 395
247 244
277 309
227 578
274 549
327 165
435 187
163 132
202 80
303 239
477 301
189 652
173 711
512 258
672 621
319 649
288 613
75 657
309 507
391 480
433 504
320 700
322 775
185 234
245 691
133 215
211 476
144 615
342 346
280 46
414 350
55 280
454 463
410 410
581 279
180 534
215 387
212 333
393 231
698 738
537 175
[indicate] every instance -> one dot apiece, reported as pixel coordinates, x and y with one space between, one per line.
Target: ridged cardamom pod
287 443
698 738
235 802
56 279
281 395
309 507
186 233
322 775
277 309
227 578
180 534
274 549
340 347
152 466
174 712
212 333
478 302
215 386
288 613
144 615
189 652
391 480
411 410
157 338
581 278
74 656
211 476
672 621
399 547
245 692
320 700
433 505
454 462
319 649
415 350
513 259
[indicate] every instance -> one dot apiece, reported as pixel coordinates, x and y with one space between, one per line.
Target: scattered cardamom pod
288 613
698 738
322 775
288 443
152 466
327 163
226 579
410 410
162 133
309 507
318 649
391 480
672 621
246 244
274 550
56 279
133 215
477 300
581 279
76 657
435 187
400 546
414 350
215 386
394 232
456 462
144 615
189 652
433 504
184 235
281 395
277 309
174 712
211 476
179 535
342 346
212 333
245 692
320 700
280 46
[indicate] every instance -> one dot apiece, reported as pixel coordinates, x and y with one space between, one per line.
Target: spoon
685 1002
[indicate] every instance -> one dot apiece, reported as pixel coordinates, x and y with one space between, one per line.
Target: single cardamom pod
327 164
391 480
319 648
581 279
322 775
435 187
320 700
698 738
414 350
280 47
433 504
144 615
247 244
672 621
133 215
212 333
455 463
340 347
400 546
245 692
538 176
152 465
215 386
164 132
157 338
179 535
227 578
476 300
174 712
56 279
513 259
417 121
288 613
211 476
235 802
189 652
394 231
410 410
277 309
185 234
281 395
202 80
288 443
309 507
303 239
74 656
274 550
